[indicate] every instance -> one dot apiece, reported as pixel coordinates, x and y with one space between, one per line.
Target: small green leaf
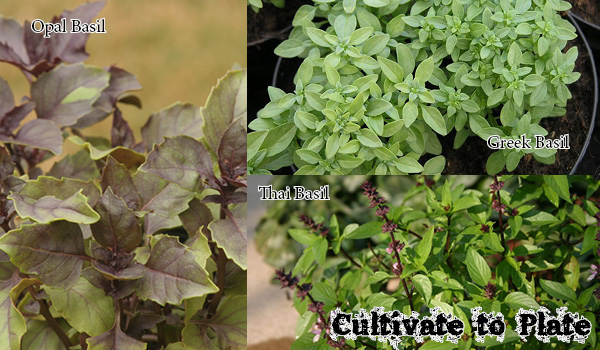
365 231
558 290
478 268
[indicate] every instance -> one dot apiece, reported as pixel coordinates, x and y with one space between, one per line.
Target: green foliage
256 5
116 238
381 80
461 242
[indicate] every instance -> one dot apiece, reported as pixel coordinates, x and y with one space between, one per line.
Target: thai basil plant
381 80
502 244
122 244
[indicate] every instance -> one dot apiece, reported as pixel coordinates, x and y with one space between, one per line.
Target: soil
587 9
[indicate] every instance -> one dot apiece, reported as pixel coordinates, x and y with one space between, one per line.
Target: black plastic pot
589 159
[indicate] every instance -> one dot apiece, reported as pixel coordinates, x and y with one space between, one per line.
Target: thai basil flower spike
321 327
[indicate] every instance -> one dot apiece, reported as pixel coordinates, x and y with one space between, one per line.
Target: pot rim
586 144
581 19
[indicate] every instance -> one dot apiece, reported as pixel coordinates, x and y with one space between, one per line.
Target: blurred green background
177 49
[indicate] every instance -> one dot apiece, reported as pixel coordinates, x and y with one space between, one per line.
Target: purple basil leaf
67 93
181 160
116 288
38 133
6 166
12 46
115 338
75 166
54 251
173 274
120 82
116 177
118 227
228 198
7 99
178 119
132 272
229 325
11 121
232 151
132 100
198 215
226 104
230 235
70 47
121 134
163 201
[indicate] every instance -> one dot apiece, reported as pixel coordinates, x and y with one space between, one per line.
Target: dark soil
266 29
471 157
587 9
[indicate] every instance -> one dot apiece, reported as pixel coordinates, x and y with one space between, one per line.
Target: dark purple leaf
75 166
227 198
38 133
198 215
178 119
230 235
116 176
6 165
181 160
121 134
67 93
118 227
7 99
173 274
115 339
11 121
225 105
120 82
232 151
131 272
70 47
54 251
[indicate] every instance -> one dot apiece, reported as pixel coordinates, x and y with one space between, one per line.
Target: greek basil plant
122 244
382 79
500 244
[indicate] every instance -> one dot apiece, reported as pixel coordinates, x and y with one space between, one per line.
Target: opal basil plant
121 244
453 243
382 80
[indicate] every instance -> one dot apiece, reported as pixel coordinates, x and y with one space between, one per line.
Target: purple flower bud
396 269
389 227
317 306
497 206
593 272
382 211
597 293
490 290
302 290
286 280
485 228
496 186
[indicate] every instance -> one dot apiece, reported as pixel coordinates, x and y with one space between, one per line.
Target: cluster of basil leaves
381 79
121 244
256 5
538 255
